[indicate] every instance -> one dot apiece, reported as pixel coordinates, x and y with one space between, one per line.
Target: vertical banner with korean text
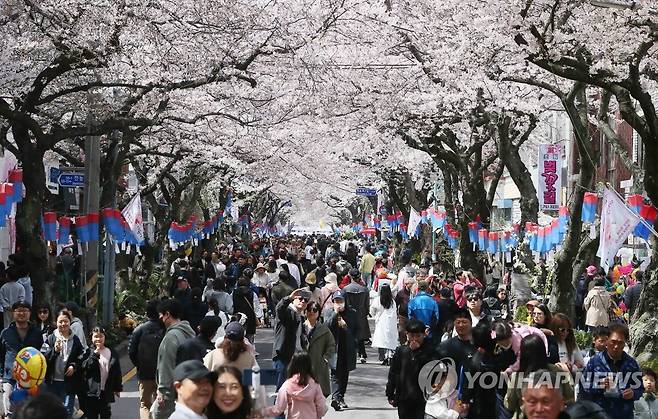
549 165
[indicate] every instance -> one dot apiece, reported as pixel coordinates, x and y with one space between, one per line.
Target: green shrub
521 315
583 339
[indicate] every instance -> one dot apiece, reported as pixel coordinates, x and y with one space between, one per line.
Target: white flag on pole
133 216
617 222
414 220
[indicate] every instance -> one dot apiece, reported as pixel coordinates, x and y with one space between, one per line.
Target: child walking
300 397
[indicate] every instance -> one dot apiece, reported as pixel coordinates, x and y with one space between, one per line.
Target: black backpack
149 342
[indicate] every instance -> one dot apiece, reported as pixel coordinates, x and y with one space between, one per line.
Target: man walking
608 376
177 331
424 308
366 266
16 336
344 325
142 347
357 297
402 388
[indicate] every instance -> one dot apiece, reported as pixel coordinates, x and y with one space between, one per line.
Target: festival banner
549 165
617 222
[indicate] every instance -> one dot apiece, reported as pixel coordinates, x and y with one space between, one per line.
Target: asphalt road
365 391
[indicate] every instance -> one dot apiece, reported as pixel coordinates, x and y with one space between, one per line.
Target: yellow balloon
29 368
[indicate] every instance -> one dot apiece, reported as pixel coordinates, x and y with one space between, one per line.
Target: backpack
148 345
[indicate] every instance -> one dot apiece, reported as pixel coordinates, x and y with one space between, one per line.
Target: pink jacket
518 333
298 402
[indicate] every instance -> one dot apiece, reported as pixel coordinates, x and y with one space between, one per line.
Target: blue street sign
366 191
54 174
71 180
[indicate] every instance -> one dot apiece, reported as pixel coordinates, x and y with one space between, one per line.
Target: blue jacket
629 376
424 308
11 343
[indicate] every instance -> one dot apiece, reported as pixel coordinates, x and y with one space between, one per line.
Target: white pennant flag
617 222
133 215
414 220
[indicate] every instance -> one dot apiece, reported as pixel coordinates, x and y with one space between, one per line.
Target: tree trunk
563 291
28 227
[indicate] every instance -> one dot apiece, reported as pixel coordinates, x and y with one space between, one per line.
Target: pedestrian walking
177 331
384 311
11 292
424 308
246 301
597 303
402 389
344 325
143 344
16 336
300 396
357 297
231 351
102 374
618 395
200 345
64 363
289 333
321 346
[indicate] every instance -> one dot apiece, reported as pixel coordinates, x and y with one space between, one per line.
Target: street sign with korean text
549 165
363 191
71 179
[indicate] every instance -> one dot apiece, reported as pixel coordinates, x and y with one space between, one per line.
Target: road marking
129 375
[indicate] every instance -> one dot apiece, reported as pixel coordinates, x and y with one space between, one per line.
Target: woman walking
63 357
300 397
596 303
384 311
321 346
102 374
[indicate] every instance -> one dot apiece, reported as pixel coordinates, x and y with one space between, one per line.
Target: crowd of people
437 330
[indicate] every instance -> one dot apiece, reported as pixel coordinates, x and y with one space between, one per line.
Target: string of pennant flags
541 239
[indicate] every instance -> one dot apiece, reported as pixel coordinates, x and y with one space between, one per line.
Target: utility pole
90 205
107 312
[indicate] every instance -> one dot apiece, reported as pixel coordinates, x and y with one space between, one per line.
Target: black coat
73 383
144 372
402 385
243 302
285 331
92 375
483 400
194 348
346 339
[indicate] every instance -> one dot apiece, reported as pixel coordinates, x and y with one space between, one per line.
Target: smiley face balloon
29 368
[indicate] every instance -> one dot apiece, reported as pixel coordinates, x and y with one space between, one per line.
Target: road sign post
363 191
71 180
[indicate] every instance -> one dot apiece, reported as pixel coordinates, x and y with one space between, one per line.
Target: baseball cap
194 370
591 270
260 266
337 296
234 331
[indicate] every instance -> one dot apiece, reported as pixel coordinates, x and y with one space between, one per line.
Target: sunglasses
473 299
304 300
315 310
